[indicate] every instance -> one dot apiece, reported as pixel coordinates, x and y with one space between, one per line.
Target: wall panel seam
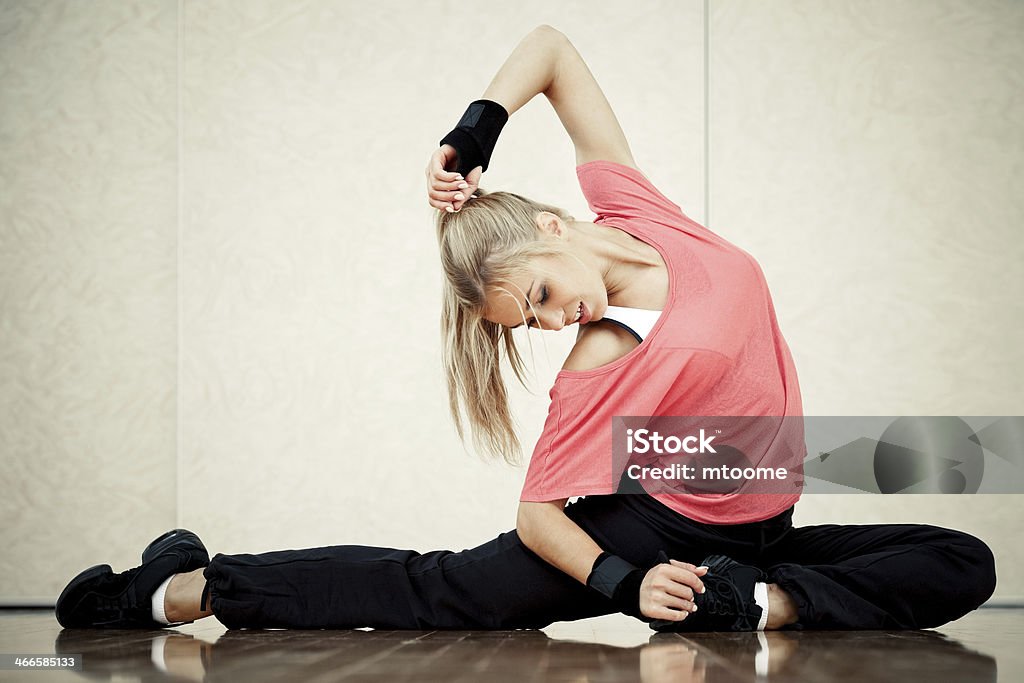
179 413
707 115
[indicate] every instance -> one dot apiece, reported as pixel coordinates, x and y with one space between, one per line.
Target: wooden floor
986 645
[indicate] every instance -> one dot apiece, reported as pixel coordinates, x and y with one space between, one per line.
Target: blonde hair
485 244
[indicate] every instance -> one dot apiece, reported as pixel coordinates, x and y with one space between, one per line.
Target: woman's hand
668 589
447 190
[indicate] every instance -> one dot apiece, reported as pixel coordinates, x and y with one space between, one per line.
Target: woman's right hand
447 190
667 590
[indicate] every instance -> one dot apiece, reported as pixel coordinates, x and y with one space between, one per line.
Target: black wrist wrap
619 581
476 134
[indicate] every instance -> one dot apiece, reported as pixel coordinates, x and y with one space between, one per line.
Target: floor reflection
523 655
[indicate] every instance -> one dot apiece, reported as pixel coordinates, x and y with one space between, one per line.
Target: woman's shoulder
598 343
616 189
611 168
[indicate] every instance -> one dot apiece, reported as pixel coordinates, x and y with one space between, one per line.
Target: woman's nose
556 320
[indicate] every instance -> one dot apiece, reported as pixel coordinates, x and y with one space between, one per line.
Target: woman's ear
551 225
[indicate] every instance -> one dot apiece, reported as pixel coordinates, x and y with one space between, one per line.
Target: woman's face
550 293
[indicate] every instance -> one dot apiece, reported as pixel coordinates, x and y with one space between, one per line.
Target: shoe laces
112 596
725 599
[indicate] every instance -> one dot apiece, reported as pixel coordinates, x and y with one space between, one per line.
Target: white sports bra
637 321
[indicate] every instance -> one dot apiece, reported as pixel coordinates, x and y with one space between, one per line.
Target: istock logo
646 441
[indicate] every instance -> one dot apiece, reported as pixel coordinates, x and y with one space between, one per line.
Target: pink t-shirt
715 350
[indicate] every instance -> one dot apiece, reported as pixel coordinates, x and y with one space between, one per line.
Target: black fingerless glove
619 581
476 134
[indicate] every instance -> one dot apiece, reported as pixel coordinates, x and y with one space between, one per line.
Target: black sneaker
98 598
174 537
727 604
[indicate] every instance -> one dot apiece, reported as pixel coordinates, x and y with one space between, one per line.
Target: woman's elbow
549 34
533 518
524 527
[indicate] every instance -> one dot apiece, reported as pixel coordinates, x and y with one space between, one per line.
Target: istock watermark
817 454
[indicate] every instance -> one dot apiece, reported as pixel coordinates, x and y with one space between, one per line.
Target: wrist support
476 134
618 581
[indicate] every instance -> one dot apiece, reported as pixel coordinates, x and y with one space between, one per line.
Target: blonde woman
671 319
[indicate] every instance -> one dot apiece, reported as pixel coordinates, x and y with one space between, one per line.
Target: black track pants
883 576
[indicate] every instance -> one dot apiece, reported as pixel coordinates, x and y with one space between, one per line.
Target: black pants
885 576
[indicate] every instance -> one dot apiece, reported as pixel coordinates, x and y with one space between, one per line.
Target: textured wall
314 409
868 154
88 286
865 153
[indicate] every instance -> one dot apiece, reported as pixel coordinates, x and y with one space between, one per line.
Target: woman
673 320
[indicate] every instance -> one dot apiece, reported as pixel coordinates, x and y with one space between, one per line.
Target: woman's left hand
447 190
668 590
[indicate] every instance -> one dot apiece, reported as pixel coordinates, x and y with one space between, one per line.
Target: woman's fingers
446 185
448 190
447 196
687 565
439 205
445 201
472 183
473 177
444 188
660 611
669 614
675 602
443 157
442 183
685 577
679 590
668 592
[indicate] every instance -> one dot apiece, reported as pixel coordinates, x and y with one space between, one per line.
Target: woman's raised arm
543 62
546 62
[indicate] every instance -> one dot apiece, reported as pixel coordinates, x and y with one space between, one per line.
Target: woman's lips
584 314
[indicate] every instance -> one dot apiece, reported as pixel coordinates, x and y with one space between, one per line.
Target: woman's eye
543 294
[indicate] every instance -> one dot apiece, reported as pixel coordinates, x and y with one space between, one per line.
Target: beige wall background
219 290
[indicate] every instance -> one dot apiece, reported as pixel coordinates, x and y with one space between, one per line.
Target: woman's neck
618 256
